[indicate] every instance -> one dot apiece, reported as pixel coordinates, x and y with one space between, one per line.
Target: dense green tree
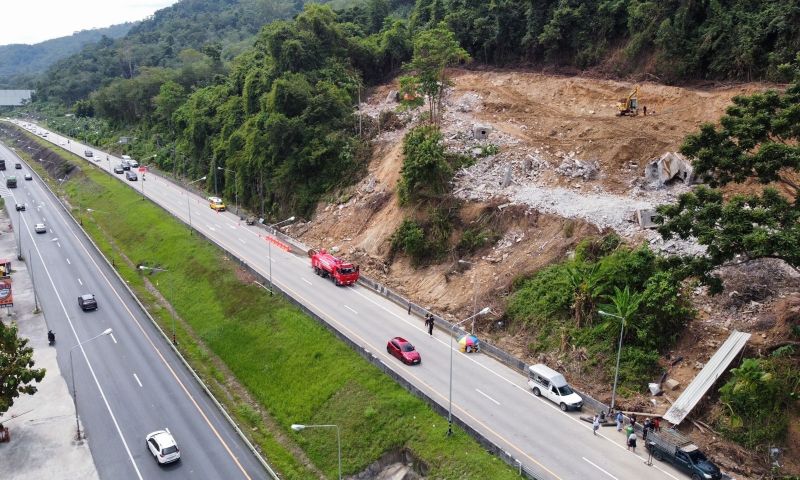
756 141
425 170
434 51
17 374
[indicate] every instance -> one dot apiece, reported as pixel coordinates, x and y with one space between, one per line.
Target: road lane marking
68 262
112 337
487 396
85 357
79 281
137 380
243 242
351 309
303 279
597 467
160 356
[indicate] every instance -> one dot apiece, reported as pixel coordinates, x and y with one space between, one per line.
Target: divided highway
129 383
489 396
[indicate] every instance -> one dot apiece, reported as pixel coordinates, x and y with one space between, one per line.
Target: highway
128 383
490 397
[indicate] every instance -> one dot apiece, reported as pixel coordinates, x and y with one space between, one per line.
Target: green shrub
425 171
409 238
474 239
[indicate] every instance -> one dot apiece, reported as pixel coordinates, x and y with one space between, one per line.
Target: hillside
19 63
556 123
159 41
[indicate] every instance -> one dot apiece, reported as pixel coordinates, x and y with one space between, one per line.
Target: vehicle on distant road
40 228
2 164
402 349
87 302
326 265
18 166
28 176
163 446
88 153
216 203
11 182
131 176
125 166
550 384
20 207
118 169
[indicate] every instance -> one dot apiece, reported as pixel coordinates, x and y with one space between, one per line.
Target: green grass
294 368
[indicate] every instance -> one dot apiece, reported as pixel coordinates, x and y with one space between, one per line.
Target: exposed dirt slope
567 167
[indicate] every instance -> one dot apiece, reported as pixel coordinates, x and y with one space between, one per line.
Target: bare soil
548 128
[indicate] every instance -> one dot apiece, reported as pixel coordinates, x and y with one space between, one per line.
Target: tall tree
757 141
16 367
434 51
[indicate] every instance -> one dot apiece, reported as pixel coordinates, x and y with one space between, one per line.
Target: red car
402 349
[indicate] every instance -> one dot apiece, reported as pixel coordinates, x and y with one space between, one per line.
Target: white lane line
243 242
595 466
232 227
86 358
211 228
68 262
137 380
112 337
79 281
351 309
487 396
303 279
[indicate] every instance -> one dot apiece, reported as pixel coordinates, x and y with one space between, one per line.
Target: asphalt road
129 383
487 395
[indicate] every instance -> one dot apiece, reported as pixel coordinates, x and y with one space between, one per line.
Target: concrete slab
43 435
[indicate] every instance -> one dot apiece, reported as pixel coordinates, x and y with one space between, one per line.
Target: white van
545 381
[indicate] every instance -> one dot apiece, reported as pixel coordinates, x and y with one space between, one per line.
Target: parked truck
326 265
11 182
671 446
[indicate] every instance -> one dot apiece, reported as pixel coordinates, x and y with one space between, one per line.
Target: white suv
163 446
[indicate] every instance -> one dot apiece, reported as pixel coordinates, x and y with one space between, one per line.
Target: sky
34 21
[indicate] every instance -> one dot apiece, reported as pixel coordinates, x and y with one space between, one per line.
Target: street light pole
298 427
619 352
72 374
269 248
189 205
484 311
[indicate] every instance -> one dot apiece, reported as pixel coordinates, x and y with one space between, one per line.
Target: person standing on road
596 424
632 442
645 429
619 418
429 323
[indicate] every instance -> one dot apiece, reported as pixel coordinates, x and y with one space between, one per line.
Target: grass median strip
287 368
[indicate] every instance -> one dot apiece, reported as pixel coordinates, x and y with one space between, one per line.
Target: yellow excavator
630 105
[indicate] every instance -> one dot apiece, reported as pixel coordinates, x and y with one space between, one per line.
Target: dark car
87 302
119 169
88 153
20 206
131 176
125 166
18 166
402 349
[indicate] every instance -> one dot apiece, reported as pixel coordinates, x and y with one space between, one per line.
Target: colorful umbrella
469 343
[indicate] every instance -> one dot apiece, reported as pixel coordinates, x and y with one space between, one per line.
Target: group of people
649 425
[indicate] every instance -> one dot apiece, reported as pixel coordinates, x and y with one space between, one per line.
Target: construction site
559 159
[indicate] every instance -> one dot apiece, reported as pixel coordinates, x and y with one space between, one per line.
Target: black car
87 302
18 166
125 166
88 153
131 176
21 206
119 169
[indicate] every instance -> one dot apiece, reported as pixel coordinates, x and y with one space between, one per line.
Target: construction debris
670 166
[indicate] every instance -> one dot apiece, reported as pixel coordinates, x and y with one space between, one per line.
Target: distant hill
24 61
227 27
